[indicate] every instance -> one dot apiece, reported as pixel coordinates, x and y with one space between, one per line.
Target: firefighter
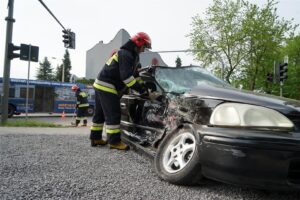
117 74
81 105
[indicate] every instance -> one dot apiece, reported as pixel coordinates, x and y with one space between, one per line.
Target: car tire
90 111
178 155
11 111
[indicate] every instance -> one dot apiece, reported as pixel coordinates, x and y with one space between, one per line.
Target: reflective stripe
78 102
114 57
83 94
105 84
79 118
83 105
113 131
113 126
96 128
130 81
140 81
104 88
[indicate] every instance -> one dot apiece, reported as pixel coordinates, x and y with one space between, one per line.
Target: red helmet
75 87
142 39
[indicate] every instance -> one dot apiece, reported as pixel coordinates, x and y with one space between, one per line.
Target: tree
291 86
86 81
66 65
265 35
45 70
219 37
178 62
246 37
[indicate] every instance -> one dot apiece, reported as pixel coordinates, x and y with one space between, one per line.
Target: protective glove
144 93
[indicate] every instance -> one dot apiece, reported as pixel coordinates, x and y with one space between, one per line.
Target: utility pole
63 73
6 72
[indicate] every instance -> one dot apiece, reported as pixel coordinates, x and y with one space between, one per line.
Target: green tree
66 65
178 62
265 35
45 70
86 81
219 38
245 37
291 86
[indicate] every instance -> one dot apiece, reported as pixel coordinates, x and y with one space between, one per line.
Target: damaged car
197 127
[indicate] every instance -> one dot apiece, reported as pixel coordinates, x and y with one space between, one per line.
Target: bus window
23 93
11 92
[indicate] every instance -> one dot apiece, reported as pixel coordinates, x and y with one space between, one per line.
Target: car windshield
183 79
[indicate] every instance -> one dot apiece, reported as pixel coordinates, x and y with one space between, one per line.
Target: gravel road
58 163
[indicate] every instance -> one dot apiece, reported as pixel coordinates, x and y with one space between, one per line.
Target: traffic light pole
27 87
281 86
6 72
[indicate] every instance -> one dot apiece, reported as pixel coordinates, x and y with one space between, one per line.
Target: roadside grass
29 124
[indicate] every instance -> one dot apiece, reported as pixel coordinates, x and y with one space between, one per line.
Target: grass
29 124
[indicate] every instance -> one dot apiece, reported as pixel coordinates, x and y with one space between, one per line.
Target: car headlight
244 115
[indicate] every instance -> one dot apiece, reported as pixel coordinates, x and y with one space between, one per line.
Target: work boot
120 146
98 142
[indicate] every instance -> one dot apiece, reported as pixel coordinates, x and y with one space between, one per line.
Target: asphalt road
58 163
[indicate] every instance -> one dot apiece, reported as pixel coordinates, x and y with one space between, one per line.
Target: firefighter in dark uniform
82 105
117 74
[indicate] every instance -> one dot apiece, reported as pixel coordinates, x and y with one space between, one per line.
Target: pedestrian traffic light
69 38
11 54
283 71
34 53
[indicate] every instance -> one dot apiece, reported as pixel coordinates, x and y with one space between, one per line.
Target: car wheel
90 110
11 111
177 158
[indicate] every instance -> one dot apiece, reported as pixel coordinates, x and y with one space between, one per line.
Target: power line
52 14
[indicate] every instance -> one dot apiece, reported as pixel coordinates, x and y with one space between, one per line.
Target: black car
196 126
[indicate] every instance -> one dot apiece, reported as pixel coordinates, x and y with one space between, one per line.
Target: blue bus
44 96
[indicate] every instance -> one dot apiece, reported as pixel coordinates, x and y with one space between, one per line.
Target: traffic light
24 52
72 40
11 48
34 53
69 39
283 71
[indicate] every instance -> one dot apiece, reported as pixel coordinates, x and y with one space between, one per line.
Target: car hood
283 105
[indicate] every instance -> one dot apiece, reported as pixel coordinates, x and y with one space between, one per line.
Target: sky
167 22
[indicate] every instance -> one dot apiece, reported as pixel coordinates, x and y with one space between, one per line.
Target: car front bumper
251 158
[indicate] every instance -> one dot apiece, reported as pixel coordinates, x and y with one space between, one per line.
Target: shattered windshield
183 79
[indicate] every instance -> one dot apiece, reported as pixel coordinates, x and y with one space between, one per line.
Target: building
98 55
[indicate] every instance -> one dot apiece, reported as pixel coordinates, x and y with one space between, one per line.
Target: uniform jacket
82 100
120 70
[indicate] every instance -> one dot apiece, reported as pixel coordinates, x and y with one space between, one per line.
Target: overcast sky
166 21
